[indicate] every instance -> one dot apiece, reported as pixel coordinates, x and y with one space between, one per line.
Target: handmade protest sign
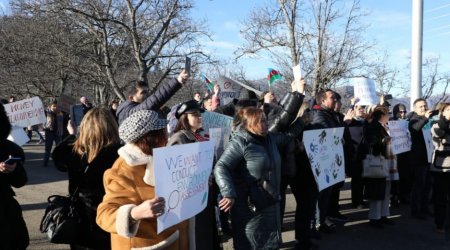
26 112
229 90
428 141
216 136
181 177
18 136
364 89
298 74
401 138
216 120
326 155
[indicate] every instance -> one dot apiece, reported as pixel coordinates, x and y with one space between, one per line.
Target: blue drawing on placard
337 139
313 147
317 169
338 160
322 137
327 178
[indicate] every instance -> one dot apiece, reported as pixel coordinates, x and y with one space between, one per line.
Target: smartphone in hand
187 65
12 160
434 112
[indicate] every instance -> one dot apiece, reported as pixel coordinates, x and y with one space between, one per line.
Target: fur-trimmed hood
134 156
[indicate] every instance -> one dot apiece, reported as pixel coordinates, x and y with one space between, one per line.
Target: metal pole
416 50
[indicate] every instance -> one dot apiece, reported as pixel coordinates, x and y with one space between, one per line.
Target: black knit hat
187 107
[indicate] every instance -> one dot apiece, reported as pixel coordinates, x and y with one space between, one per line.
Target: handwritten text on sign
181 177
401 138
364 89
26 112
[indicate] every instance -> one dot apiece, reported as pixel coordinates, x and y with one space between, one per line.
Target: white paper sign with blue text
365 90
326 155
401 138
181 178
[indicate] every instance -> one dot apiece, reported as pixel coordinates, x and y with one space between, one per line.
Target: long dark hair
5 125
182 124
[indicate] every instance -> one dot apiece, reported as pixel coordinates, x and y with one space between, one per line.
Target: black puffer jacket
153 102
324 118
418 153
13 231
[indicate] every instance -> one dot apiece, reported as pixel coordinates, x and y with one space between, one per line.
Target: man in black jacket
140 99
419 160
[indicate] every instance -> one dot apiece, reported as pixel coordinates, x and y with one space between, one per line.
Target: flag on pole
209 83
273 76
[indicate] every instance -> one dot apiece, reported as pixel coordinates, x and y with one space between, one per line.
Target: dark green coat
247 159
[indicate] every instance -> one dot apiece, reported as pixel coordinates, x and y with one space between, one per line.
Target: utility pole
416 50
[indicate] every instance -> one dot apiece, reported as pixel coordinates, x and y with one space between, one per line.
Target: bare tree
433 79
385 75
323 35
156 34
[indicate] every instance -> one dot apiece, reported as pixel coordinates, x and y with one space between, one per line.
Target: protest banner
216 136
216 120
428 141
18 136
326 155
229 90
64 103
181 178
26 112
364 89
401 138
298 74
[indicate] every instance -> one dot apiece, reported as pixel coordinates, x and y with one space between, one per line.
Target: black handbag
61 219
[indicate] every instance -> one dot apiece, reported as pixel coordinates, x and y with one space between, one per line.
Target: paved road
407 233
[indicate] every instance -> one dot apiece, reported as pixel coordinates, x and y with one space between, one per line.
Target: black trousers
441 195
333 204
421 189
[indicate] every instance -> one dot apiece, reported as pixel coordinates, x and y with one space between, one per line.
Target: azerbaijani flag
209 84
273 76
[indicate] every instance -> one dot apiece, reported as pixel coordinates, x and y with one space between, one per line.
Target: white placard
18 136
216 120
181 177
428 142
401 138
216 136
229 90
26 112
365 90
326 155
298 74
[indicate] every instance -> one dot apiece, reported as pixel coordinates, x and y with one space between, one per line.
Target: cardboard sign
365 90
326 155
181 177
229 90
26 112
401 138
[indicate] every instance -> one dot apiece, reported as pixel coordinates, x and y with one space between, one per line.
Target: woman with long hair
130 207
187 130
86 157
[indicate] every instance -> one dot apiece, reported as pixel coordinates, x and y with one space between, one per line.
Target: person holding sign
13 230
440 168
189 115
139 97
250 170
130 207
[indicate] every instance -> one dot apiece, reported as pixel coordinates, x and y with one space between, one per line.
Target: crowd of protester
108 158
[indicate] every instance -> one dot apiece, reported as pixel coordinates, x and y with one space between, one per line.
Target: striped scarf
392 162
